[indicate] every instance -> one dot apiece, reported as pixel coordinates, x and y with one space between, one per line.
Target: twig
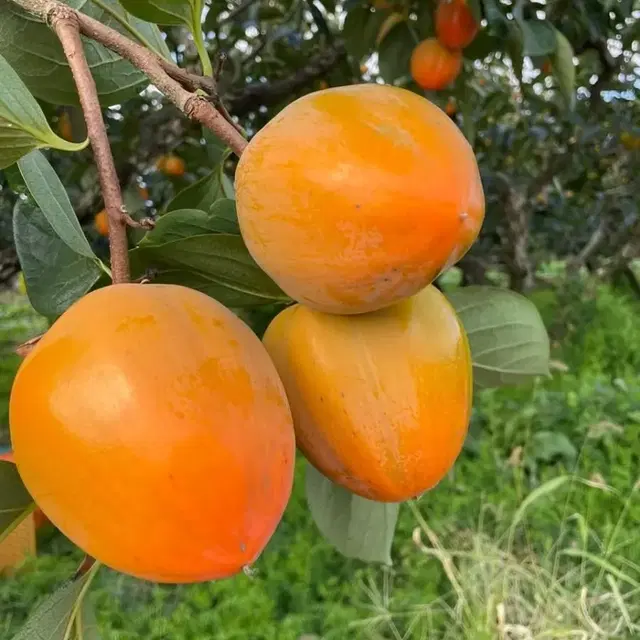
65 23
168 78
24 349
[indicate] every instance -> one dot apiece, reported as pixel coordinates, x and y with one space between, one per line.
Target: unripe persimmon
151 427
455 25
358 196
380 401
433 66
101 223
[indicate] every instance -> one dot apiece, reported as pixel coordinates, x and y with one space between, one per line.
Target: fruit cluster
153 427
436 62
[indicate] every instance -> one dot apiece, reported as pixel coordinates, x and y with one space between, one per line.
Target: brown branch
65 23
168 78
268 94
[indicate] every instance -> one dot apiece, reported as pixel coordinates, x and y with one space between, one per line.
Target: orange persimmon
358 196
381 401
151 427
455 25
433 66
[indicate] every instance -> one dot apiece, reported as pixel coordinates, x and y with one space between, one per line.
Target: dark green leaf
564 69
55 275
395 52
476 9
360 30
165 12
509 342
34 51
183 223
218 264
201 194
356 527
15 501
23 125
514 44
546 446
50 195
86 625
225 209
217 150
539 38
55 617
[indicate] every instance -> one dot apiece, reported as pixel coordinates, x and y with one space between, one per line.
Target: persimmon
451 107
546 67
101 223
358 196
381 401
455 25
65 128
171 165
433 66
151 427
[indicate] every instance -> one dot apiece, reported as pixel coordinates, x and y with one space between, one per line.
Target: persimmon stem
64 22
167 77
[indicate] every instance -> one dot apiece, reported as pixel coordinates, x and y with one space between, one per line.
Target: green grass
567 568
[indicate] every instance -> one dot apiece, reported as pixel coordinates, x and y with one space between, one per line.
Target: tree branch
168 78
262 93
65 24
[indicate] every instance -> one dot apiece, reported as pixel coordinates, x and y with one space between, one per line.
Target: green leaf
217 150
539 38
545 446
564 69
356 527
165 12
55 617
86 625
201 194
394 53
50 195
514 46
508 340
216 264
225 209
23 125
55 275
476 10
183 223
361 27
15 501
34 51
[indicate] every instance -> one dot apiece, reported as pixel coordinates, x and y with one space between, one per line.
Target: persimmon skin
151 427
455 25
433 66
356 197
381 402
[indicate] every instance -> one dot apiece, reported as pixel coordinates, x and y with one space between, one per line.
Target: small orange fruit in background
433 66
546 67
455 25
143 192
65 128
165 447
356 197
451 108
171 165
381 401
101 223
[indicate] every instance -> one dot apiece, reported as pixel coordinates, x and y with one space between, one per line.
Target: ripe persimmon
65 128
380 401
101 223
451 107
151 427
171 165
455 25
358 196
433 66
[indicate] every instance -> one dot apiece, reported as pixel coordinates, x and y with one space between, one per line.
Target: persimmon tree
136 79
